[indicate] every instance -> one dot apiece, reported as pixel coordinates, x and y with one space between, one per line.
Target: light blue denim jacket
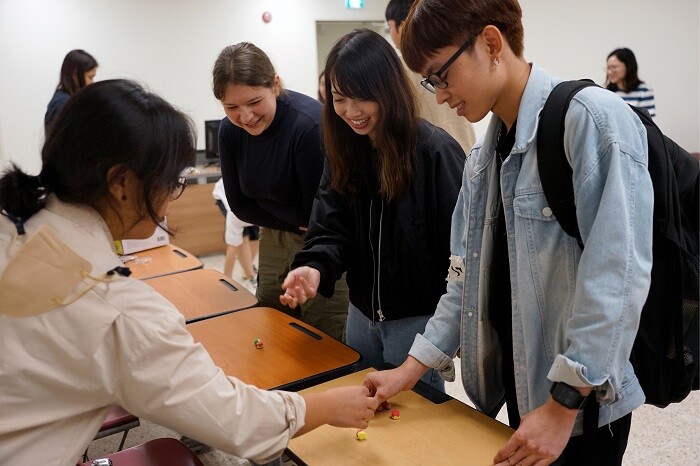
575 313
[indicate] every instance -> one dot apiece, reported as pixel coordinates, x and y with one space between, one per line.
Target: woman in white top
621 78
77 335
242 239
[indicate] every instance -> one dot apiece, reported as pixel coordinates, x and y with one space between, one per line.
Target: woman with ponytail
77 335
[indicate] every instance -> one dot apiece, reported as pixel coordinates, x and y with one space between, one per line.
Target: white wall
328 33
572 40
170 45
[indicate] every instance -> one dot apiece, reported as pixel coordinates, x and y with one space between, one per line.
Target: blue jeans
387 342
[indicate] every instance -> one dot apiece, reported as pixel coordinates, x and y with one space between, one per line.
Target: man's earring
496 61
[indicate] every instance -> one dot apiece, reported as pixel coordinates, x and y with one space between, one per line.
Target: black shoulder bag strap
556 177
555 171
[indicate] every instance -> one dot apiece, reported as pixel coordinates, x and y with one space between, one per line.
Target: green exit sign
354 4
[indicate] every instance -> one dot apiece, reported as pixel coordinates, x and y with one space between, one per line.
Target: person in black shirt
384 206
78 70
271 164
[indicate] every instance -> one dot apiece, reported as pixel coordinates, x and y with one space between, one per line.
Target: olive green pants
277 250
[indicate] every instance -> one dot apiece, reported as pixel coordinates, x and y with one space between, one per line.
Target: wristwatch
567 396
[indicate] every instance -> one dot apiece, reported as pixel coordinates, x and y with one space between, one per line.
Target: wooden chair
158 452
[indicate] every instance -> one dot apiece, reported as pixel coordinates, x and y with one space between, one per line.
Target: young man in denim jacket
530 311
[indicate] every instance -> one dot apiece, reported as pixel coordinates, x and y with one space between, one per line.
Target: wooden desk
426 433
203 293
165 260
294 354
203 174
198 223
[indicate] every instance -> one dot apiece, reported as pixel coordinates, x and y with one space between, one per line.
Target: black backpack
665 352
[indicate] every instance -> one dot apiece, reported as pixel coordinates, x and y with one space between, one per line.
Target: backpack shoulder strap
554 169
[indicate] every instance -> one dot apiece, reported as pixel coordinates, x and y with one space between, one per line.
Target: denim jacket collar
538 87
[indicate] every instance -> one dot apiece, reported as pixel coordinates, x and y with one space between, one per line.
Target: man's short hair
397 10
435 24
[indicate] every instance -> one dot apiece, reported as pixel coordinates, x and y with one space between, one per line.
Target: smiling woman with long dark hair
383 209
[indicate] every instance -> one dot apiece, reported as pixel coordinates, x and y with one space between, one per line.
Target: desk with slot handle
294 355
163 260
203 293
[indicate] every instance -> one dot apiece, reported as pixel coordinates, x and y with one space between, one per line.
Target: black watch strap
567 396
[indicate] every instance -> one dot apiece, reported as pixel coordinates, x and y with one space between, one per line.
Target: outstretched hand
355 407
299 286
351 406
386 384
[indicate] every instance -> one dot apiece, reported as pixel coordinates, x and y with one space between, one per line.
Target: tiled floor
659 437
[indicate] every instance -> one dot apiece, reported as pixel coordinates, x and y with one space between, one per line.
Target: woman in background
271 164
622 79
242 240
78 70
384 206
89 337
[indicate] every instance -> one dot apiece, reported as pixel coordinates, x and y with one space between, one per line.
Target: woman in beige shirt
76 336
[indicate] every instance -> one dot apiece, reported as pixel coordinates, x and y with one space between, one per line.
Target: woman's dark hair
75 65
243 63
397 11
113 123
362 65
321 97
435 24
631 80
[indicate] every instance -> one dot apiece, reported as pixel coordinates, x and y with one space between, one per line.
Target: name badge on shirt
456 271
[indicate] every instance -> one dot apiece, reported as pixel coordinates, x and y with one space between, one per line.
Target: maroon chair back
158 452
118 420
116 417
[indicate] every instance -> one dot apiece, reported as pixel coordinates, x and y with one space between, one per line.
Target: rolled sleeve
575 374
431 356
437 346
295 413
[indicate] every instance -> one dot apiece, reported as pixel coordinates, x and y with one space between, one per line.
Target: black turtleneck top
271 179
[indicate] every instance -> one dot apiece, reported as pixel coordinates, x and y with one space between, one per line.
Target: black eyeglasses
179 188
436 80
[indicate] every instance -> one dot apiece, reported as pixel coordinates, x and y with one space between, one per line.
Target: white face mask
41 276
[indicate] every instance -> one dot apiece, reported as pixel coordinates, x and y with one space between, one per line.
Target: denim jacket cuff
575 374
428 354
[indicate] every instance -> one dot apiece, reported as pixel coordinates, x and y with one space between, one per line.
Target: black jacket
396 253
